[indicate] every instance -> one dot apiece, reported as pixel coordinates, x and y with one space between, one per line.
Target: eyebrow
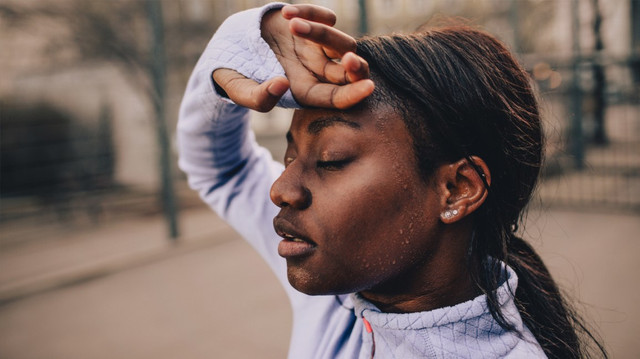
321 123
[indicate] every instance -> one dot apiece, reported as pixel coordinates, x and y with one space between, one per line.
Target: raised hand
318 60
308 57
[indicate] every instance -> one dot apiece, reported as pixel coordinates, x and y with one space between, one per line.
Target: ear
462 187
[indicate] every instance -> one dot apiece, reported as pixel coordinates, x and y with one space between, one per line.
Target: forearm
218 151
213 133
213 139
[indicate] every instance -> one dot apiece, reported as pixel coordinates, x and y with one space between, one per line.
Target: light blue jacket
233 175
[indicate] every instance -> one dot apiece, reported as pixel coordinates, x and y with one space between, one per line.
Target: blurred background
106 253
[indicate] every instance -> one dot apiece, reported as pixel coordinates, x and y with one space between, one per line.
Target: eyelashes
334 165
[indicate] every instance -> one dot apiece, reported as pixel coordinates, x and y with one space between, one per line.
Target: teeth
292 238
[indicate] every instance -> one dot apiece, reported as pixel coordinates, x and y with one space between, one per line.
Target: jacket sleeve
217 149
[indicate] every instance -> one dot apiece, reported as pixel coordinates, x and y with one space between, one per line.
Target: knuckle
321 32
334 97
319 13
307 10
351 44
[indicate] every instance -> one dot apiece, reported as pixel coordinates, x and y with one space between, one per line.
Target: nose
288 190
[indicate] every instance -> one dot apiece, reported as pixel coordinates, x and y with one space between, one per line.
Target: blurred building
89 61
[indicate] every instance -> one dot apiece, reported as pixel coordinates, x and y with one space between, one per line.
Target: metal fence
591 108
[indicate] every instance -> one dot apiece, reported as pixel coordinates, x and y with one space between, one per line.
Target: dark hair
461 94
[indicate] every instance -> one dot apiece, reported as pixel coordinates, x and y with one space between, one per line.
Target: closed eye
333 165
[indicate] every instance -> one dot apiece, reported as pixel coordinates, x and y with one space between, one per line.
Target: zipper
367 327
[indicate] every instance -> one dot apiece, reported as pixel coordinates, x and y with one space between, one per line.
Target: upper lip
286 230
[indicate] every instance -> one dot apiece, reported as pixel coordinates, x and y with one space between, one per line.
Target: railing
591 109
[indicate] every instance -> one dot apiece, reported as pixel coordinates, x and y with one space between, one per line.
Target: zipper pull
367 327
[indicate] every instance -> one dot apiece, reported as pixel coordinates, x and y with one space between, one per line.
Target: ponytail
542 307
558 328
540 303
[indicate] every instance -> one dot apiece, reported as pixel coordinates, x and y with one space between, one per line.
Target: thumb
265 96
248 93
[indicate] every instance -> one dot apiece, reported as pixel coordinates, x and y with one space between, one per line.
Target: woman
406 172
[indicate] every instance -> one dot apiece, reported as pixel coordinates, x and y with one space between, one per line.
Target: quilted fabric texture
466 330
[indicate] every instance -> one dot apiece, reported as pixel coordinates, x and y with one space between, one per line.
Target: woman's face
354 213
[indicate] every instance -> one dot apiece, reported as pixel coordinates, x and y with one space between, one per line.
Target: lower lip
288 248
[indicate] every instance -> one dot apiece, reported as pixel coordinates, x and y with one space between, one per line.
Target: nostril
296 197
289 191
305 198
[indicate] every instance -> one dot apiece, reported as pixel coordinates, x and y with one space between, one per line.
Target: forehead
362 118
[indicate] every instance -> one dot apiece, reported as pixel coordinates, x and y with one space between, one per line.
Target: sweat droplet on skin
365 263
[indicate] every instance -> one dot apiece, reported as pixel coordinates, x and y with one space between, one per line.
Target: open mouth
285 230
293 244
291 238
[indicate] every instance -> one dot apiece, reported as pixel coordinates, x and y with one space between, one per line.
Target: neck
444 279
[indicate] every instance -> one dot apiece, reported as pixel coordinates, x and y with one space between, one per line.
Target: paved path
212 297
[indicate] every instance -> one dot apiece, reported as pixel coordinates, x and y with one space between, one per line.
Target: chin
311 284
307 284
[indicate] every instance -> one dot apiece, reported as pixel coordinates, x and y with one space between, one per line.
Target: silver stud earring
448 214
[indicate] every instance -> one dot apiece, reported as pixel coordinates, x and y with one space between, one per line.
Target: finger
265 96
355 66
352 68
332 54
248 93
334 96
328 37
333 73
350 95
310 12
315 67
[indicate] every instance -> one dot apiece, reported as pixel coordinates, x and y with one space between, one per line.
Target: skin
354 192
307 47
351 189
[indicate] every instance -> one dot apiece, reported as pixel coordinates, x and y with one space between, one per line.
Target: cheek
360 202
376 217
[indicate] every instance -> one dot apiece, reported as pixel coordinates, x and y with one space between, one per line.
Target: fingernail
356 61
301 27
